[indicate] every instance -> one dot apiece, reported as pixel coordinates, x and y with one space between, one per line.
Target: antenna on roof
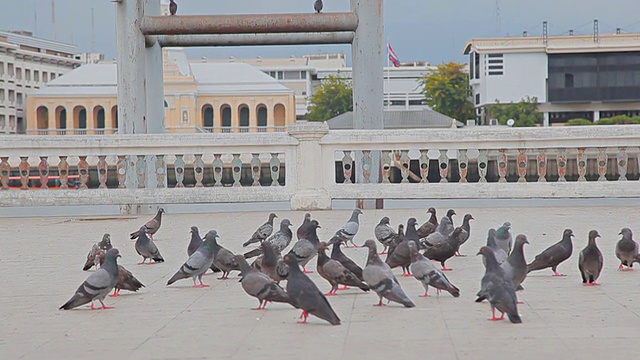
35 19
545 32
53 19
498 16
596 36
93 29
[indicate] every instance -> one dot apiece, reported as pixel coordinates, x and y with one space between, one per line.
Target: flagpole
388 77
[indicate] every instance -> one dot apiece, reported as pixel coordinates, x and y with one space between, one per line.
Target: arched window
80 120
61 120
262 118
42 116
98 115
225 114
279 115
243 111
207 117
114 117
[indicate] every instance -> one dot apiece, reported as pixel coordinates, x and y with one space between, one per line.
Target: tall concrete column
596 116
545 119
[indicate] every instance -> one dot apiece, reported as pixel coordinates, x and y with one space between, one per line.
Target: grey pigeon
98 284
195 241
466 231
515 265
554 254
335 273
499 290
503 237
430 226
385 234
338 255
280 240
198 263
146 248
317 6
224 260
104 244
396 242
304 227
349 230
444 251
173 7
626 250
152 225
262 232
447 227
305 294
425 272
307 247
272 265
126 281
260 286
380 278
590 261
400 255
441 234
500 253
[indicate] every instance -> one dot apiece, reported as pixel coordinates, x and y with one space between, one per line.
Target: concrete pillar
545 119
52 119
91 120
309 192
596 116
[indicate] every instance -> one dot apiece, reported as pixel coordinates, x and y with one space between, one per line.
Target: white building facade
26 64
592 77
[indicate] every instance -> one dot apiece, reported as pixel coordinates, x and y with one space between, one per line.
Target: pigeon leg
330 293
93 307
103 305
628 269
354 244
384 251
405 274
225 276
493 315
459 254
555 273
343 287
143 260
380 303
424 295
202 285
304 317
445 268
260 307
304 270
116 292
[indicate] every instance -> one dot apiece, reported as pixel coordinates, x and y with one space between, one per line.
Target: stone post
309 193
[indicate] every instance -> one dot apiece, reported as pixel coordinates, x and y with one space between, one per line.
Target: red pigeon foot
379 304
520 302
116 293
307 271
406 274
304 317
444 268
343 287
555 273
424 295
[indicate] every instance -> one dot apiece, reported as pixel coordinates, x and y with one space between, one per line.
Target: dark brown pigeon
152 225
305 294
126 281
400 255
590 261
271 264
260 286
626 250
430 226
554 254
317 6
444 251
100 247
499 290
302 230
335 273
337 254
173 7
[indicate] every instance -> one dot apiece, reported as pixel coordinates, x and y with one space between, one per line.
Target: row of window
18 73
288 75
494 65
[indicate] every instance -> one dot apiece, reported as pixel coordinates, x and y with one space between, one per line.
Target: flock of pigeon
505 264
173 7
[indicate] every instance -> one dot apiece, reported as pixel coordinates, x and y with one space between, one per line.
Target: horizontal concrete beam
247 24
251 39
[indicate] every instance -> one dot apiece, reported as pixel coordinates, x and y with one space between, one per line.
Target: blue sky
432 30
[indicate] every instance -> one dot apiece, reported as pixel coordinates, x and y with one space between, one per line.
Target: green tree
447 91
334 97
524 113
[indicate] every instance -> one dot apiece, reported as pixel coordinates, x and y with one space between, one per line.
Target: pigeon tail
158 258
88 265
514 318
177 276
74 302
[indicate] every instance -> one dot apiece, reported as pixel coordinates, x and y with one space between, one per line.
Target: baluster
43 171
542 165
582 164
463 165
24 168
236 167
83 172
102 171
502 165
623 162
63 173
161 170
483 162
218 168
274 165
198 169
5 171
522 165
366 166
561 159
424 166
178 169
385 161
141 171
602 164
347 166
256 166
404 165
121 168
444 165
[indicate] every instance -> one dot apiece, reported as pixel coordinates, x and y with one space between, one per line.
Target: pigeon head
112 253
322 246
291 260
161 211
242 262
567 234
285 223
411 222
486 252
626 233
371 245
521 238
105 243
315 224
400 229
593 234
431 211
194 229
450 213
506 225
456 232
468 217
212 234
272 216
385 220
307 216
357 211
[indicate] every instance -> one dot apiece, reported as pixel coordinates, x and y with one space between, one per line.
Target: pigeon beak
319 227
620 233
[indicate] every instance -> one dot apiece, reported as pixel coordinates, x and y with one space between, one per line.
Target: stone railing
309 166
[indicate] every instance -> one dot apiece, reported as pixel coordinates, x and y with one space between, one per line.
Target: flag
393 57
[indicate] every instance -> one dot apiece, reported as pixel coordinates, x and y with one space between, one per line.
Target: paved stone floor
41 261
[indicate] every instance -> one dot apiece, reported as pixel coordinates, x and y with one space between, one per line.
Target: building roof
87 80
556 44
399 119
25 38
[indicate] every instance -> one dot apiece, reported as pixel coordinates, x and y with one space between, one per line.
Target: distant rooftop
26 41
399 119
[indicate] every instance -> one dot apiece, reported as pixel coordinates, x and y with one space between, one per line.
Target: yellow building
199 97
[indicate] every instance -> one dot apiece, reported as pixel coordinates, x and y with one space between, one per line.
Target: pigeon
443 251
126 281
400 255
396 242
271 263
304 227
430 226
500 253
338 255
259 285
385 234
626 250
152 225
380 278
305 294
554 254
195 241
280 240
263 231
98 285
590 261
198 263
425 272
335 273
496 288
317 6
349 230
515 265
307 247
224 260
173 7
104 244
503 237
466 231
441 234
448 227
146 248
